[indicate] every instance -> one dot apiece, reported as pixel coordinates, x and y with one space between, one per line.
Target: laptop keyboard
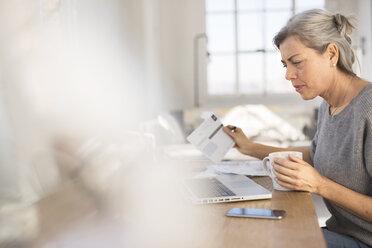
208 187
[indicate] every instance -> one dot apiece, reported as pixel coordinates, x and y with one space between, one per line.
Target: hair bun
343 24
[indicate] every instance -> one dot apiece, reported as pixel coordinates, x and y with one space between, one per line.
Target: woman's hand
297 174
242 143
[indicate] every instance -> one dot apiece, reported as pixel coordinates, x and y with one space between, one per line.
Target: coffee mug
269 160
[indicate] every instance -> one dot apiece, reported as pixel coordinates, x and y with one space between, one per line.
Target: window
242 58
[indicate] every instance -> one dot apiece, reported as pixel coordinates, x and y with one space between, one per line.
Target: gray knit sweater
342 151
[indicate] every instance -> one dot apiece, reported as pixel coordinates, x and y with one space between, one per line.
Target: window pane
250 73
275 75
299 10
220 32
219 5
221 75
282 4
302 5
275 20
250 4
250 31
310 4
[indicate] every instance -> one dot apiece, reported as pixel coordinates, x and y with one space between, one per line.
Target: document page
248 168
211 140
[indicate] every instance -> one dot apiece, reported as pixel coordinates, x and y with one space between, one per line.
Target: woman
316 52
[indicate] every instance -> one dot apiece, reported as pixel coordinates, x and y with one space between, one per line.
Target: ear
332 53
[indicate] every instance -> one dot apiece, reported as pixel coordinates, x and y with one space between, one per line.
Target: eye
284 66
297 62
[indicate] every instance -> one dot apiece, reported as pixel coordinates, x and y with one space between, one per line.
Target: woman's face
308 70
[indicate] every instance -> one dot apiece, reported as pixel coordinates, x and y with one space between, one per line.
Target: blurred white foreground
75 170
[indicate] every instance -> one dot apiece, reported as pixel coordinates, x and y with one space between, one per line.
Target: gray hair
317 29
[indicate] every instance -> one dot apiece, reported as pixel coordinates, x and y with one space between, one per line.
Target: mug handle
267 167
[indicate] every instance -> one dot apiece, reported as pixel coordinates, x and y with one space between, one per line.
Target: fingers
228 131
281 170
230 126
285 163
285 184
291 174
285 170
231 130
296 159
285 177
238 136
293 163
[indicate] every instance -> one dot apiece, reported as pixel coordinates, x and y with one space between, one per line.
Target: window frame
237 98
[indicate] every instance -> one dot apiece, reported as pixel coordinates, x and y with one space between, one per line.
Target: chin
307 97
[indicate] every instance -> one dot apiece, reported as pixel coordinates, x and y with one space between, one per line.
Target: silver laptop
225 188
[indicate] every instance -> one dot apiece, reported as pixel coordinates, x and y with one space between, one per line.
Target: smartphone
256 213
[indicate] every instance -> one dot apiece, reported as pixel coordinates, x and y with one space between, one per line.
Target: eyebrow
290 58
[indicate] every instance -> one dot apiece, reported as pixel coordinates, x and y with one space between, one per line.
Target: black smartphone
256 213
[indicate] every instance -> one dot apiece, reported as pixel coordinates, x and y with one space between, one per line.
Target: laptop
224 188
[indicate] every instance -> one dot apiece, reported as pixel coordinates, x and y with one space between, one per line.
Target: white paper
184 152
249 168
211 140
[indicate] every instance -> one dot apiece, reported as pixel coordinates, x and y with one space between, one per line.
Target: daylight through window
242 58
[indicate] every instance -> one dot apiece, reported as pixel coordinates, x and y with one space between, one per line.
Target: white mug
269 160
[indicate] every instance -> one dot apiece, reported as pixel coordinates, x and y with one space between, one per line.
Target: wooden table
193 226
299 228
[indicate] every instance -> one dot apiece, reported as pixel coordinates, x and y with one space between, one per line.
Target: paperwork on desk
250 168
247 168
235 162
211 140
188 152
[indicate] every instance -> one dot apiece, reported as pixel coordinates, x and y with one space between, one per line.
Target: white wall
365 32
170 27
362 11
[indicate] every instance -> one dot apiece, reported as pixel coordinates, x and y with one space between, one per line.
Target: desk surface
299 228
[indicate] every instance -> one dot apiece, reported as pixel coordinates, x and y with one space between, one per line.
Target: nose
290 73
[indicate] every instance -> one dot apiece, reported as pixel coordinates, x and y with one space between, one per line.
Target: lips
298 87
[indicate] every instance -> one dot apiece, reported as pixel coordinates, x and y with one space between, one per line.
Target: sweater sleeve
315 138
313 147
368 146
